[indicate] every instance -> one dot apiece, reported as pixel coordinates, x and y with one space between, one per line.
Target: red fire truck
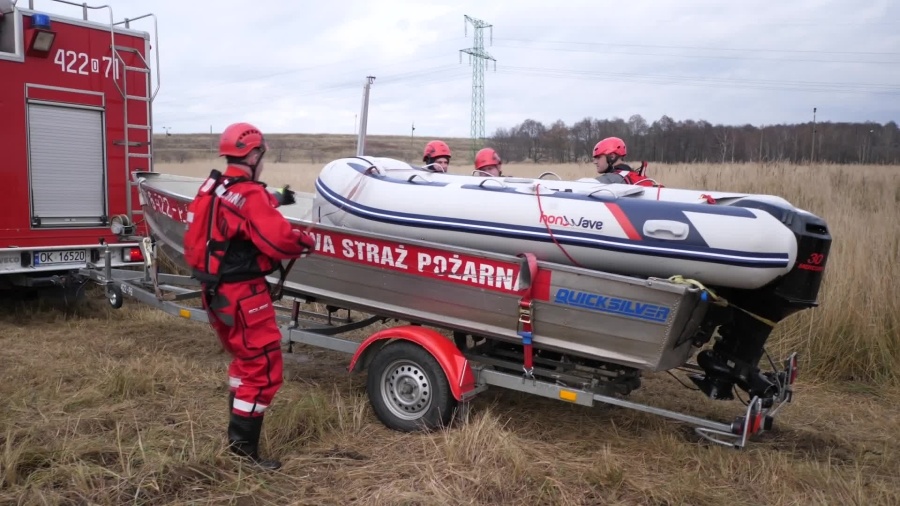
75 122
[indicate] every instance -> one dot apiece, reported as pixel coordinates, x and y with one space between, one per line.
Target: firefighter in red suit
235 238
609 157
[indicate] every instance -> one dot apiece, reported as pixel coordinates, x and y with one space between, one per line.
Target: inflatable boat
722 239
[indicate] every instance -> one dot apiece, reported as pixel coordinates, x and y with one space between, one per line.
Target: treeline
670 141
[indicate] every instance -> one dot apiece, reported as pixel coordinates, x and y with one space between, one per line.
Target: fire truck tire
114 296
408 390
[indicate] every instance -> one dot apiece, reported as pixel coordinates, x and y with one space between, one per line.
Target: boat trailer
419 378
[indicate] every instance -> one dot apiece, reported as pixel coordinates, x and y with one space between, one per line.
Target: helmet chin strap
610 162
253 166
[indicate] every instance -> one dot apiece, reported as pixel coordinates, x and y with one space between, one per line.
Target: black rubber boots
243 437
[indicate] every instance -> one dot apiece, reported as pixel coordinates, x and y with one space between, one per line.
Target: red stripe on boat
624 222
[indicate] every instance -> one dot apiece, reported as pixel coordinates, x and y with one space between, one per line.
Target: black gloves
285 196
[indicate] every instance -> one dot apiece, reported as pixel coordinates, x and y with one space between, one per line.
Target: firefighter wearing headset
436 156
236 237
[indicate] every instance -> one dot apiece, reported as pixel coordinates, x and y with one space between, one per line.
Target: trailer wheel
114 295
408 389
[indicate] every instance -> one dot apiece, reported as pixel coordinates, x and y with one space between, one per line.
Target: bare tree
667 140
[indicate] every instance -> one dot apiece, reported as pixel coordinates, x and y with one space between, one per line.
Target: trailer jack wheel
408 389
114 295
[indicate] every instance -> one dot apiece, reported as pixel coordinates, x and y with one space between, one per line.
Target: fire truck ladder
136 149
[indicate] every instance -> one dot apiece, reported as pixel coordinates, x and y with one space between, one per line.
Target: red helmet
435 149
610 145
485 157
239 139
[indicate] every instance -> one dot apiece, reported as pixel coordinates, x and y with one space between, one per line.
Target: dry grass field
307 148
129 406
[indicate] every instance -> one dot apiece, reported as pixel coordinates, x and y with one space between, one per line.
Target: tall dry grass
114 407
855 333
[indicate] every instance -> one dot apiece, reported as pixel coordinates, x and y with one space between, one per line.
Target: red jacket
247 236
623 173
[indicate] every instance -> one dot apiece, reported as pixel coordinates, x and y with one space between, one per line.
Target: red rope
549 230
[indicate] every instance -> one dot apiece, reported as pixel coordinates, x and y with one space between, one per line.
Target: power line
314 77
432 75
479 58
700 81
706 78
708 57
743 50
261 101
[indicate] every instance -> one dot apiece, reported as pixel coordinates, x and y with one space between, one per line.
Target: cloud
300 66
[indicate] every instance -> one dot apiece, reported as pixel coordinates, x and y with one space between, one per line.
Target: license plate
66 256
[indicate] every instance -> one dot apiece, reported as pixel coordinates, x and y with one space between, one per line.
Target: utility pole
364 117
478 58
412 135
812 154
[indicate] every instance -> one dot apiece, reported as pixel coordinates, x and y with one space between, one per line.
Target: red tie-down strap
524 327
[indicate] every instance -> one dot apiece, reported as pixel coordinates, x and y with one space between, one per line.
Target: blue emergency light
40 21
42 39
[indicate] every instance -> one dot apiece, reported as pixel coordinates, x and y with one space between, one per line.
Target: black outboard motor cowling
734 359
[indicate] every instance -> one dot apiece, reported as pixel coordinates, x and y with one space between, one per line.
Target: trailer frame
470 372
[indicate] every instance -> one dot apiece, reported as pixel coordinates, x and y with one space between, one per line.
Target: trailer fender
455 365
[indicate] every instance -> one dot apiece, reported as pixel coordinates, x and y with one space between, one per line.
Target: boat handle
501 183
667 229
548 173
410 180
591 194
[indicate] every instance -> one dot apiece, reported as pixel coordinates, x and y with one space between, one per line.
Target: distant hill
307 148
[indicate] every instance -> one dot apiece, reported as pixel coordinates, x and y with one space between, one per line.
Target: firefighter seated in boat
488 163
436 156
609 155
236 237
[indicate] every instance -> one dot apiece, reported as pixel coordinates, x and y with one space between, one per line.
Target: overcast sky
300 66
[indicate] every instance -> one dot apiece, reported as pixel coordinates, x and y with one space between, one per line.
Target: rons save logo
565 221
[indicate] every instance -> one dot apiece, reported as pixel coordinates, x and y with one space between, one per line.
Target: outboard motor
734 359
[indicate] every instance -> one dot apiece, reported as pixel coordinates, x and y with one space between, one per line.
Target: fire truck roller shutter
66 166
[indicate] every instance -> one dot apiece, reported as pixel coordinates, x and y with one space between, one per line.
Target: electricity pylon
479 58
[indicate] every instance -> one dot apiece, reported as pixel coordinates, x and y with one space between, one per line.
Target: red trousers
243 316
